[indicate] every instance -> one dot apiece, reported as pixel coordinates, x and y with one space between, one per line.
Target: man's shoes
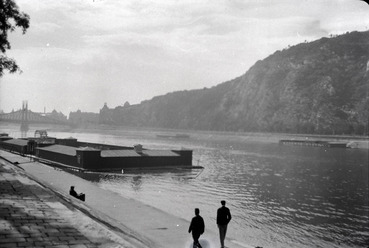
197 245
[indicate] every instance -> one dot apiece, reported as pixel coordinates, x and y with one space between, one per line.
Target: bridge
25 116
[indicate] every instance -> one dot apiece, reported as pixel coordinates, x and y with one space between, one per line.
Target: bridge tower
24 124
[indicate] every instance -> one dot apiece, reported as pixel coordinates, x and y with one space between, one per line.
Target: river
279 195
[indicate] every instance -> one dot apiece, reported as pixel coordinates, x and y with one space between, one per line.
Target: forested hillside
320 87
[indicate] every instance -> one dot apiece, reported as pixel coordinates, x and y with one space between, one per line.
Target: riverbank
114 221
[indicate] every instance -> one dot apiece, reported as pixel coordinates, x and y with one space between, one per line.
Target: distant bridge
25 116
32 117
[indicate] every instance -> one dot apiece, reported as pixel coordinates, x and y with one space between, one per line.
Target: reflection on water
24 134
280 196
136 183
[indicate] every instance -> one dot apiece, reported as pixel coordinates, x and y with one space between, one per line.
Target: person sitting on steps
72 192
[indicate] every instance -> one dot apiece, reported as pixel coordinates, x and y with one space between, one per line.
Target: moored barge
86 156
317 143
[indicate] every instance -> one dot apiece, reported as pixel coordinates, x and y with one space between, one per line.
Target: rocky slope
318 87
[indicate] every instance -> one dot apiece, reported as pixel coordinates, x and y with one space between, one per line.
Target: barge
85 156
176 136
316 143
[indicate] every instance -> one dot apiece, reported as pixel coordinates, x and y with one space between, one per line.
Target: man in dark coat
197 227
223 218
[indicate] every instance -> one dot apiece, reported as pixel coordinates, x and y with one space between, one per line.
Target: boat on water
317 143
86 156
175 136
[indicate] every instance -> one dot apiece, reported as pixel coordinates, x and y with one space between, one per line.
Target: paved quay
37 211
33 216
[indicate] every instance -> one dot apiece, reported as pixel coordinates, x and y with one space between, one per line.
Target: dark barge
317 143
85 156
176 136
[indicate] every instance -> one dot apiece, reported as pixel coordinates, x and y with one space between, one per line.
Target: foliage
10 19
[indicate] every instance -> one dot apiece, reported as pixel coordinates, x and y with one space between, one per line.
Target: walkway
33 216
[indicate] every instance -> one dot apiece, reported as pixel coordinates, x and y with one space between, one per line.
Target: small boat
176 136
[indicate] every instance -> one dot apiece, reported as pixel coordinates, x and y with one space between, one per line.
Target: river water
279 195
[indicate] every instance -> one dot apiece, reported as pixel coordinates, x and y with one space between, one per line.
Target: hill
321 87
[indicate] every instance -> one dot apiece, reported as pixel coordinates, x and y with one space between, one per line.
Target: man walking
197 227
223 218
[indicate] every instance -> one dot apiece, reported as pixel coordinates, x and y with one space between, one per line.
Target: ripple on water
280 196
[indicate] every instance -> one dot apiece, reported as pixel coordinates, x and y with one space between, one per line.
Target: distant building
80 117
106 115
59 116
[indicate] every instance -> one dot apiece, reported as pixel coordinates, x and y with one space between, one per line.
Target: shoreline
141 224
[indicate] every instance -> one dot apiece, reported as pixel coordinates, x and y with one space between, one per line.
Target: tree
10 19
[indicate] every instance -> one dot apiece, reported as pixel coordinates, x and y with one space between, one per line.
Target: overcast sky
79 54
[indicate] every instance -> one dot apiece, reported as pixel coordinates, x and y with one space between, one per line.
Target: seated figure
72 192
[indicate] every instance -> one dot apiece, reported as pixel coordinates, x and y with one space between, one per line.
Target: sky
80 54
